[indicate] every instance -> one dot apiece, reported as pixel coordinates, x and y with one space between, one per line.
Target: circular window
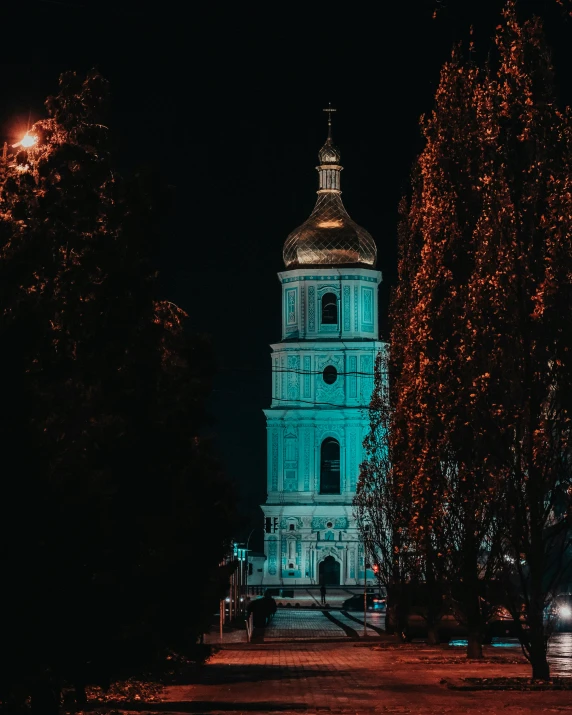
329 525
330 374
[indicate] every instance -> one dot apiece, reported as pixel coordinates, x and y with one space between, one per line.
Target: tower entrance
329 571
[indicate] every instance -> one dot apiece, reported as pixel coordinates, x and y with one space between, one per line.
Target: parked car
560 613
374 602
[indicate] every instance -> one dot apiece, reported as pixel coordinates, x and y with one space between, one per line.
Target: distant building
255 568
322 380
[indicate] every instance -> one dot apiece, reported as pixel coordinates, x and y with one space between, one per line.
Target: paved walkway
295 624
355 677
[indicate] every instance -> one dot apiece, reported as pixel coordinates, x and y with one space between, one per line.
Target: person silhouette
323 594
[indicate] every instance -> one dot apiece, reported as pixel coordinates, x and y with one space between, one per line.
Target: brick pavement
352 677
307 624
288 624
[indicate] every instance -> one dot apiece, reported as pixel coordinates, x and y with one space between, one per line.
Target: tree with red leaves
519 299
480 424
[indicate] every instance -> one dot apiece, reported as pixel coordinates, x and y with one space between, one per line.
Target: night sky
224 103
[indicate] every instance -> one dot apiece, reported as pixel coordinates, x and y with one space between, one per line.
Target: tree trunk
540 667
433 634
434 599
471 605
80 694
474 645
397 613
45 698
537 648
389 621
390 614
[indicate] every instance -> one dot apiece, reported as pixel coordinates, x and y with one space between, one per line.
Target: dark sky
225 102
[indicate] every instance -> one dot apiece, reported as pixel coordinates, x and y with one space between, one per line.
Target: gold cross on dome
329 110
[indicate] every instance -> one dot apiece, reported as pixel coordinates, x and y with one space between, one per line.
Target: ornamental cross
329 110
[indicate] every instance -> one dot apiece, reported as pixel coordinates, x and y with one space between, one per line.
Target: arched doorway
329 571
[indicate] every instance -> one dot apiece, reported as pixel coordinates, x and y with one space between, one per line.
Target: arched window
329 309
330 467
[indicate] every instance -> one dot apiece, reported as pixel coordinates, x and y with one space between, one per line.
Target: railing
249 627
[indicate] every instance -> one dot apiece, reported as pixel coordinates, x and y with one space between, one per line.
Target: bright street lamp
27 140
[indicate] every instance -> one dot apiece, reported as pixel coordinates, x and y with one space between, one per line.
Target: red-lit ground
293 672
312 663
352 677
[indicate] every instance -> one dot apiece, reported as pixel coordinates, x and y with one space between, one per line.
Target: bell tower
322 380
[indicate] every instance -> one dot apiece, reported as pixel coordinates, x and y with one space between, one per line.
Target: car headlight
565 611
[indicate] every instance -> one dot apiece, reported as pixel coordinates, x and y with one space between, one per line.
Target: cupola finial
329 110
328 154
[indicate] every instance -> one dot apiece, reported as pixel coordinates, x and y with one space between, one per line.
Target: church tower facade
322 380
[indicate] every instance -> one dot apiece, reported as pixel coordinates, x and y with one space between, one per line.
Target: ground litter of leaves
126 691
149 688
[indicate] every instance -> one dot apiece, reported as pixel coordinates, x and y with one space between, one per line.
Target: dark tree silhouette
112 487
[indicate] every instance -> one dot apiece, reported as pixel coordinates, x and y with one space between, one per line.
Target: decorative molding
319 523
293 376
352 377
291 306
356 323
274 461
307 436
366 378
311 309
272 554
328 430
276 379
307 375
322 290
302 316
334 392
367 302
286 520
365 279
354 467
330 359
290 480
290 447
330 551
346 308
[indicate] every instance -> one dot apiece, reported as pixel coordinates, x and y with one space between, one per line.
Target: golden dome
329 237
